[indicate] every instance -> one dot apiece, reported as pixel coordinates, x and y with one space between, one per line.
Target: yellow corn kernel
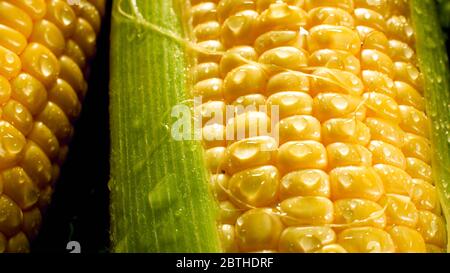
45 198
250 102
344 154
41 63
288 81
277 38
13 142
409 96
330 16
228 238
16 18
258 229
408 73
210 51
239 29
214 135
19 187
209 89
212 112
62 155
407 240
347 130
334 105
90 13
332 248
46 33
305 154
305 183
334 37
418 169
18 116
401 52
5 90
284 58
30 92
227 8
257 187
384 153
42 136
298 128
370 18
398 27
335 59
432 228
281 16
100 5
85 36
205 71
325 80
32 220
399 210
306 239
207 31
228 212
3 242
358 213
366 240
395 180
250 152
63 95
219 186
414 121
375 81
434 249
203 12
248 125
307 210
372 39
235 57
214 158
62 15
291 103
18 244
380 6
10 63
344 4
355 182
72 74
36 164
385 131
418 147
378 61
262 5
12 39
55 119
424 195
244 80
11 220
35 8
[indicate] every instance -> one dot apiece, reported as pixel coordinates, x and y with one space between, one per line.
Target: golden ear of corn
352 172
44 47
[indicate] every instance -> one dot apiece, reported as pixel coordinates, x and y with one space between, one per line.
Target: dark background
80 206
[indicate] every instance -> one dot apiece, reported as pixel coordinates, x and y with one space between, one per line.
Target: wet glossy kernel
36 164
250 152
370 18
330 16
334 105
205 71
418 169
5 90
290 103
372 39
307 210
248 125
203 12
18 244
334 37
214 158
211 112
332 248
211 51
281 16
16 18
63 95
424 195
366 240
257 187
288 81
280 59
305 239
377 61
46 140
12 144
347 130
398 27
407 240
418 147
414 121
384 153
228 238
244 80
432 228
380 6
229 212
12 39
227 8
207 31
47 34
32 220
355 182
399 210
358 213
408 73
400 51
35 8
239 29
11 220
343 154
277 38
305 183
55 119
18 115
258 229
10 63
219 186
375 81
62 15
385 131
214 135
235 57
395 180
90 13
19 187
41 63
295 155
344 4
407 95
85 36
209 89
250 102
298 128
335 59
325 80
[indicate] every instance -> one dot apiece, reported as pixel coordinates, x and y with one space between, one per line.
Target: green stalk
160 201
433 62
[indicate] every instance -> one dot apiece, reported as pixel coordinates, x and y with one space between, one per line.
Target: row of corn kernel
46 84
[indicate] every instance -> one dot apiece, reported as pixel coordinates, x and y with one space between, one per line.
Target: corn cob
44 49
353 170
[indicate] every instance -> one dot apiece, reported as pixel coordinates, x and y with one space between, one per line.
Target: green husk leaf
160 201
433 62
